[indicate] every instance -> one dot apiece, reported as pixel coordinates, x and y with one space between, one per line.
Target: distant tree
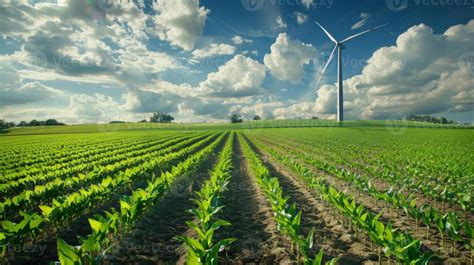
161 117
49 122
5 125
427 118
22 124
235 118
314 118
52 122
34 123
256 118
113 122
142 121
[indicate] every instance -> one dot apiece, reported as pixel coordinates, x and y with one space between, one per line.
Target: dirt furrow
153 239
378 182
44 250
258 241
431 240
330 235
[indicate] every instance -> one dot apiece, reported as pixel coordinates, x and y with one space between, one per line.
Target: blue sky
90 61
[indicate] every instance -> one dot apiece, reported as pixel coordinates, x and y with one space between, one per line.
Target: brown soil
153 239
43 250
379 183
258 241
330 235
432 243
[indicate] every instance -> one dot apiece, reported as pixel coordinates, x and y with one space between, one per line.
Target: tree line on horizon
431 119
49 122
164 117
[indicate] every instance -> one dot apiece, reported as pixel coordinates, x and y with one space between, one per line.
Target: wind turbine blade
362 33
327 33
327 64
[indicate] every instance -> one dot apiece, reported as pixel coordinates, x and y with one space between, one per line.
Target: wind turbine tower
339 45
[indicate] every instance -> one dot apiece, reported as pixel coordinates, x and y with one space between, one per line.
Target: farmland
248 193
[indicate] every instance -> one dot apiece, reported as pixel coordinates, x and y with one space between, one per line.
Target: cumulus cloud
138 57
281 23
324 106
14 92
147 102
65 42
214 50
263 109
301 18
81 43
421 74
94 108
180 22
288 57
238 40
362 20
241 76
28 93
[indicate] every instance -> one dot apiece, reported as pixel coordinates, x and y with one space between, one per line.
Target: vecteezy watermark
39 58
253 5
396 124
396 5
42 59
354 62
466 62
109 5
256 5
399 5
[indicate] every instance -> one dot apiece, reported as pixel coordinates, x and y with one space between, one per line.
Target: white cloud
288 57
13 91
64 43
262 109
324 106
419 75
93 108
238 40
138 59
241 76
180 22
363 19
80 43
28 93
214 50
280 23
301 18
147 101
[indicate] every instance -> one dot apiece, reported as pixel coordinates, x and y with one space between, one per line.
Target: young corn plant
202 249
94 247
394 243
287 217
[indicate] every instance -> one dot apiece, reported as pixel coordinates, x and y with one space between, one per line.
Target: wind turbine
340 46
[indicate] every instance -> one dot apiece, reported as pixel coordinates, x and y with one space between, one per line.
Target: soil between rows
330 235
396 217
44 250
380 183
246 208
153 240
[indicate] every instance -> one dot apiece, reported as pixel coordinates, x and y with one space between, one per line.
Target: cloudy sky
99 60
